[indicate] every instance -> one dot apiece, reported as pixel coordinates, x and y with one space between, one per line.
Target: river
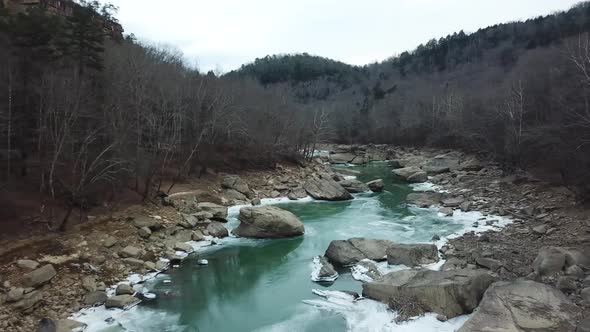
261 285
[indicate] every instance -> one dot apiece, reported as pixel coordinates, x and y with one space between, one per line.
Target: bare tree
578 52
512 111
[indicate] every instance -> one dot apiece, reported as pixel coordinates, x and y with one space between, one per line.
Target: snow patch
368 315
316 266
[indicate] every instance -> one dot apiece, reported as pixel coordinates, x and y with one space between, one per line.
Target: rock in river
326 189
450 293
376 185
522 305
352 251
268 222
354 186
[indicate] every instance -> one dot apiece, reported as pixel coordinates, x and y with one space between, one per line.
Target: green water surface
259 285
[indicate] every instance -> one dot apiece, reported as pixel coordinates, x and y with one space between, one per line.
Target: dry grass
407 307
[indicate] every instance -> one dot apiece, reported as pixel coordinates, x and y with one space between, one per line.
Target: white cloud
231 32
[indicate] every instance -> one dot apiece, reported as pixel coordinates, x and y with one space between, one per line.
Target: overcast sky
224 34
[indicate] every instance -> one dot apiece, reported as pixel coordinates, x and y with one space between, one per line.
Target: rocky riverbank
44 280
540 263
534 274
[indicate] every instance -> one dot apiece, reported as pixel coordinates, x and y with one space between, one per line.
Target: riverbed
265 285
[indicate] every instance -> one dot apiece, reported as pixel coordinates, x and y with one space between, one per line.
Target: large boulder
219 212
147 222
424 199
120 301
234 195
343 253
216 229
95 298
268 222
342 158
360 160
61 325
352 251
376 186
29 301
470 165
412 254
297 193
549 261
326 189
375 250
450 293
553 260
39 277
449 160
184 202
522 305
411 174
234 182
435 170
354 186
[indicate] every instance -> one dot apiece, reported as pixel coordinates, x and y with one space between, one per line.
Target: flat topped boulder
523 305
120 301
268 222
326 189
352 251
450 293
354 186
412 254
341 158
411 174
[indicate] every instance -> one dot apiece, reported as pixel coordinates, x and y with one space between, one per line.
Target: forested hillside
86 116
518 91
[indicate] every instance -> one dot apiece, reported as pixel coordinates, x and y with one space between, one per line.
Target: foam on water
426 186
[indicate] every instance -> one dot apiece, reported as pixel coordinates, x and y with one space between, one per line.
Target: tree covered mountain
516 91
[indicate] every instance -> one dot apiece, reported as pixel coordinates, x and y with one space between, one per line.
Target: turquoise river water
261 285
